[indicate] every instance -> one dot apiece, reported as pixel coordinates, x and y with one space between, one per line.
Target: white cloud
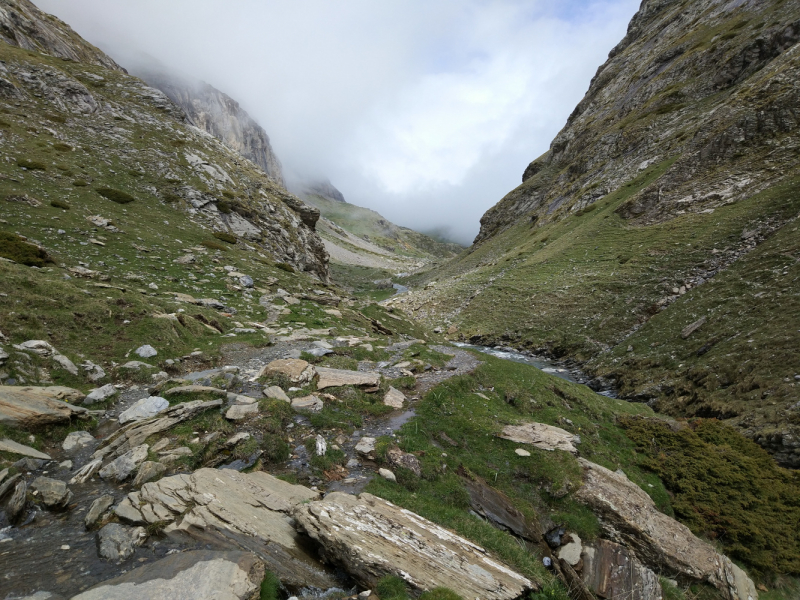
425 110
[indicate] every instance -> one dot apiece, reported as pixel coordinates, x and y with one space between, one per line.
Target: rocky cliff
708 85
656 241
220 115
90 131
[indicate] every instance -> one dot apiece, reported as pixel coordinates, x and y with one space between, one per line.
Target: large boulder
629 516
122 467
30 406
54 493
338 377
539 435
116 542
370 537
187 576
246 511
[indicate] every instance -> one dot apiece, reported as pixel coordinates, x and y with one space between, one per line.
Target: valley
212 386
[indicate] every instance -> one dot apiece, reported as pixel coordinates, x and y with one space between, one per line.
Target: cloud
425 110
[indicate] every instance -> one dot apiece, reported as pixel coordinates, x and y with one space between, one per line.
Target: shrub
59 204
391 587
15 248
170 197
440 593
56 118
31 165
225 237
228 194
79 183
213 246
270 587
117 196
285 267
62 147
224 207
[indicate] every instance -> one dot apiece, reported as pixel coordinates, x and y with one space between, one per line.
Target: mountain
359 236
220 115
656 241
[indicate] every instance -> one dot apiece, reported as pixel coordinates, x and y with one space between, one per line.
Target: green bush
31 165
391 587
62 147
79 183
170 197
727 488
270 587
213 245
285 267
59 204
13 247
440 593
224 207
225 237
117 196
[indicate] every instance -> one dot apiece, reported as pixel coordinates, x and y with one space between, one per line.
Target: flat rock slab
238 412
539 435
7 445
613 571
628 514
311 403
276 393
144 409
36 406
244 511
394 398
298 371
194 389
370 537
190 575
338 377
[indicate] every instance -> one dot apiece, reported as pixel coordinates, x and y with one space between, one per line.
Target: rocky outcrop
612 571
371 537
230 575
220 115
708 85
36 406
320 187
628 516
23 24
232 509
539 435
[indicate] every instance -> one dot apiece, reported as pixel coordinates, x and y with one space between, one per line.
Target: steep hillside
657 240
220 115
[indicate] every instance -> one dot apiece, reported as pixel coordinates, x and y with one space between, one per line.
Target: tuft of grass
225 237
62 147
59 204
13 247
213 245
440 593
114 195
31 165
391 587
285 267
270 587
80 183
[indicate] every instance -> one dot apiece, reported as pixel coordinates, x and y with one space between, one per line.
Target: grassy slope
367 223
590 285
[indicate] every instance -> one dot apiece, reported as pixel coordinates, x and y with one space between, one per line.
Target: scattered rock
387 474
122 467
691 328
146 351
237 412
338 377
148 471
116 542
237 510
16 505
93 372
187 575
394 398
65 363
7 445
87 471
571 551
311 403
96 510
298 371
235 439
144 409
544 437
135 365
29 464
499 509
366 447
29 407
627 514
403 460
77 440
521 452
612 571
371 537
275 393
54 493
100 394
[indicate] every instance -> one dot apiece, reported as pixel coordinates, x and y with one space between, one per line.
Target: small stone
152 286
66 465
521 452
100 394
387 474
77 440
116 542
148 471
321 445
237 412
571 552
144 409
311 403
146 351
96 510
54 493
394 398
239 437
365 446
121 468
275 393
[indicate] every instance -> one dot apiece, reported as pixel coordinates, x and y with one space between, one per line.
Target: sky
427 111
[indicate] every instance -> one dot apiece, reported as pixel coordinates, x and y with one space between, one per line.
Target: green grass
117 196
225 237
13 247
